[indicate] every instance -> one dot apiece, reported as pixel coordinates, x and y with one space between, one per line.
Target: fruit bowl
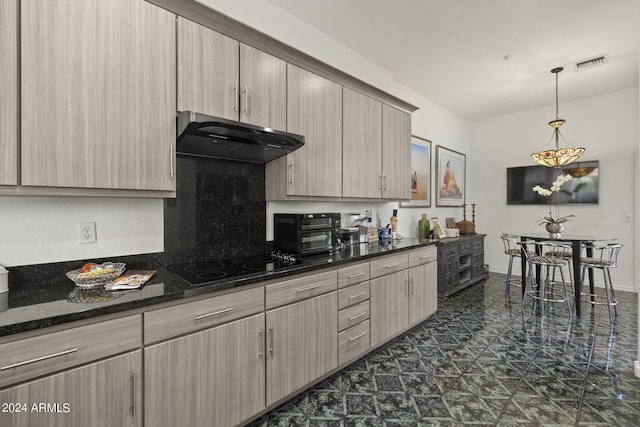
98 277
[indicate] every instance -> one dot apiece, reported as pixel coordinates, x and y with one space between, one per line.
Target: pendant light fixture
560 156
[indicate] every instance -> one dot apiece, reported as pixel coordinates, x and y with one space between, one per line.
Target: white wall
607 126
35 230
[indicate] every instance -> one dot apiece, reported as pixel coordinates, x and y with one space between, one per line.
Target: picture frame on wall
450 170
420 174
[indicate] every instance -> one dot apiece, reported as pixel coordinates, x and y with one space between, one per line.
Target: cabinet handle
361 334
380 188
384 188
353 276
133 394
411 285
355 316
235 97
271 341
425 257
261 343
392 265
172 160
307 289
291 174
406 282
246 100
39 359
215 313
356 295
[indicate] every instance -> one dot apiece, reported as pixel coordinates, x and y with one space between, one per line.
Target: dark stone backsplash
219 211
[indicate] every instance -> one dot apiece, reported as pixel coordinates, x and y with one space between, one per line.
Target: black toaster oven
306 234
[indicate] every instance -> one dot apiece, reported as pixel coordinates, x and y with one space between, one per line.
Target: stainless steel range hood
205 136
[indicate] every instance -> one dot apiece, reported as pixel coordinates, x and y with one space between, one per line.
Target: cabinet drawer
353 274
423 256
464 248
353 342
353 315
389 264
353 295
299 289
32 357
181 319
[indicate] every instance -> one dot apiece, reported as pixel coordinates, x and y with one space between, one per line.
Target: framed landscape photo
450 170
420 174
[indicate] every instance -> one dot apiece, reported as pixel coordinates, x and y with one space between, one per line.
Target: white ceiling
452 51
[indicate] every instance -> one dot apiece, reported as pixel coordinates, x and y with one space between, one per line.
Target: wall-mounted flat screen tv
583 188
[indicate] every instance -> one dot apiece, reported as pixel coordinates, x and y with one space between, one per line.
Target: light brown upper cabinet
314 109
376 149
98 94
361 146
8 92
396 154
222 77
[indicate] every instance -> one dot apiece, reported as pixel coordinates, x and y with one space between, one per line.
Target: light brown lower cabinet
215 377
406 297
101 394
423 292
388 306
302 344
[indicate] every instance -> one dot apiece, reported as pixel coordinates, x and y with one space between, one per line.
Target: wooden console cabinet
460 263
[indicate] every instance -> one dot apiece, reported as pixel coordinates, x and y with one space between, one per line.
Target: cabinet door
208 71
423 291
361 146
98 94
263 89
211 378
302 344
396 153
388 306
9 92
102 394
314 109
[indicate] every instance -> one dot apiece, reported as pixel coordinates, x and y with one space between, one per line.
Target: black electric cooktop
199 273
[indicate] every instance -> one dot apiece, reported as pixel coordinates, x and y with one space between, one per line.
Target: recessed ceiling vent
594 62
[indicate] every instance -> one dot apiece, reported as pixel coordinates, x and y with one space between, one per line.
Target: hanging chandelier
560 156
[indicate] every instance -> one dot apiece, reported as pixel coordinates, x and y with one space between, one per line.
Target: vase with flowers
554 224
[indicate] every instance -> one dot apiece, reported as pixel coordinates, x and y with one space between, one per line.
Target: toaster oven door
316 241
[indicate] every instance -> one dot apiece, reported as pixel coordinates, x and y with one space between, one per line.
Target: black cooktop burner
269 265
198 273
204 266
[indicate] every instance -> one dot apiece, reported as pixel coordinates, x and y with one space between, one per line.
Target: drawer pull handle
39 359
215 313
425 257
356 295
354 317
353 276
392 265
361 334
307 289
133 394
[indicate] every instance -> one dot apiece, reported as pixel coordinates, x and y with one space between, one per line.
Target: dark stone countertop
41 295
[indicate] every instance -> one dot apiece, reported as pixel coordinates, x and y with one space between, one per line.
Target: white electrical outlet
87 232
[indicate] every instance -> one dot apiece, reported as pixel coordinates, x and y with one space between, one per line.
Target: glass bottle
424 227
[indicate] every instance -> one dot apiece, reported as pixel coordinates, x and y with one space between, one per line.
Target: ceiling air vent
590 63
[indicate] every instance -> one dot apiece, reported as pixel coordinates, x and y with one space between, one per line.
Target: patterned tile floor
483 360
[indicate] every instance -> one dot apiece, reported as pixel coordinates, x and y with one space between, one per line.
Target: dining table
577 241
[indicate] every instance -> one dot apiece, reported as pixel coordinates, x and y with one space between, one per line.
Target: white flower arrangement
555 187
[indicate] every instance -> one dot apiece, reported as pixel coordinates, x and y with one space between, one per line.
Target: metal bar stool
511 248
547 265
607 259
